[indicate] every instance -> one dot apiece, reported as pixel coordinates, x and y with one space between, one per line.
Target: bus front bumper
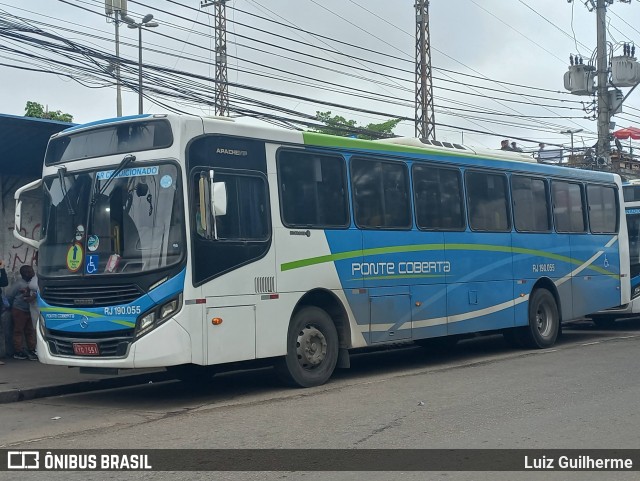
167 345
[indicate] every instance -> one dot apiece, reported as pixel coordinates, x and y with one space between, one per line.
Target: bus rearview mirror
219 198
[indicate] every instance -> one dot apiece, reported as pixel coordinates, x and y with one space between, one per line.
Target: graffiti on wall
14 252
19 252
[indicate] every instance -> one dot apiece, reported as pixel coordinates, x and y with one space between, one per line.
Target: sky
485 56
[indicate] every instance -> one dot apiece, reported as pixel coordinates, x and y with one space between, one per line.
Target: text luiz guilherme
577 463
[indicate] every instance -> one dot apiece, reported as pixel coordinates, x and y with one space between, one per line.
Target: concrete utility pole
425 118
117 9
623 69
221 97
602 66
118 87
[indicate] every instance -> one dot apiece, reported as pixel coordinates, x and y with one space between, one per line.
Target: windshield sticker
93 242
74 257
91 266
132 172
166 181
79 232
112 263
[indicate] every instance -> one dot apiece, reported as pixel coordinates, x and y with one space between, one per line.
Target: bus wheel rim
311 347
543 320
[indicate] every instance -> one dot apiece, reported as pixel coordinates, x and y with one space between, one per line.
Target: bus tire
544 320
604 322
312 349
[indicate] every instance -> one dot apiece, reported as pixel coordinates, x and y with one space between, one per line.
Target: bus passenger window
487 202
313 189
381 194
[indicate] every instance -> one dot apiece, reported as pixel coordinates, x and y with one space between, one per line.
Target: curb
30 393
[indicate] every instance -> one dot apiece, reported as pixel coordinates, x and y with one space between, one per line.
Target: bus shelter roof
23 141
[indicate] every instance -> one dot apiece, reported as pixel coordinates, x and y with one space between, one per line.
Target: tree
338 125
35 109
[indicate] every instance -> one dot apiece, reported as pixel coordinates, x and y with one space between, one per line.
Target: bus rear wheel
544 320
312 349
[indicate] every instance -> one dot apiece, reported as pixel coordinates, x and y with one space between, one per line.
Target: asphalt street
583 394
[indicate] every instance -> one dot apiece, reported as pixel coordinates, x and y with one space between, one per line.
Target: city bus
190 243
606 319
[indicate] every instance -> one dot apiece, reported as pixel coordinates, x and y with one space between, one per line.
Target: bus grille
90 296
108 347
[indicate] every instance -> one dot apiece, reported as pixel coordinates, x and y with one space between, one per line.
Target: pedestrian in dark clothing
4 282
504 145
515 147
20 297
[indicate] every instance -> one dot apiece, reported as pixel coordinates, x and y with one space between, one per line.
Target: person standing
4 282
20 297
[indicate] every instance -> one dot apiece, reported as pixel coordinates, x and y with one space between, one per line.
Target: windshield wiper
123 163
62 170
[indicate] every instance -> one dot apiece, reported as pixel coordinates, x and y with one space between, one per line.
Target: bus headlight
169 308
147 321
152 319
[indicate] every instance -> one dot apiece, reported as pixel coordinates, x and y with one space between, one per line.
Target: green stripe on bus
430 247
323 140
124 323
66 310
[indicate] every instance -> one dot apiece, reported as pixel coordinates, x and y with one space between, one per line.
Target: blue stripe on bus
110 318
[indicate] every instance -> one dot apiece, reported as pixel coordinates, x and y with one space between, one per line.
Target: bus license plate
85 349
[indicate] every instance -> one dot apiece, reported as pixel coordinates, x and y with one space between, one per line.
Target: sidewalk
24 380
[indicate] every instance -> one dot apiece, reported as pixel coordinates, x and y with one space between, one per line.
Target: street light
571 132
147 23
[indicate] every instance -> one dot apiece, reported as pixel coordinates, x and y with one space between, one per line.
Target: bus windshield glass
95 227
109 140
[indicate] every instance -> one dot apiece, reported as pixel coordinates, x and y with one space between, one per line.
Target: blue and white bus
605 319
185 241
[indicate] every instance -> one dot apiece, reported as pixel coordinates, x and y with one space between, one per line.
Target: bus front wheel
312 349
544 320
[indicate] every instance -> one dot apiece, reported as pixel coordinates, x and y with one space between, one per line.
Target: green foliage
35 109
338 125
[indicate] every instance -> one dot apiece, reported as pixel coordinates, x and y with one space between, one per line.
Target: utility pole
602 69
221 97
425 118
117 8
624 72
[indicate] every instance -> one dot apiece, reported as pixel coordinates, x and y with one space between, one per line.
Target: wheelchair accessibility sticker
91 267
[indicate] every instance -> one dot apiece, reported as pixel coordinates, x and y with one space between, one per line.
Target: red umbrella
628 133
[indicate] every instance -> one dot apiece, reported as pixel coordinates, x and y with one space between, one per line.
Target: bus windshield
93 226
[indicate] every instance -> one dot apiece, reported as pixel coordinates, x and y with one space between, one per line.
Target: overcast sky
503 40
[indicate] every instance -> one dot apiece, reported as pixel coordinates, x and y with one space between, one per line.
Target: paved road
582 394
